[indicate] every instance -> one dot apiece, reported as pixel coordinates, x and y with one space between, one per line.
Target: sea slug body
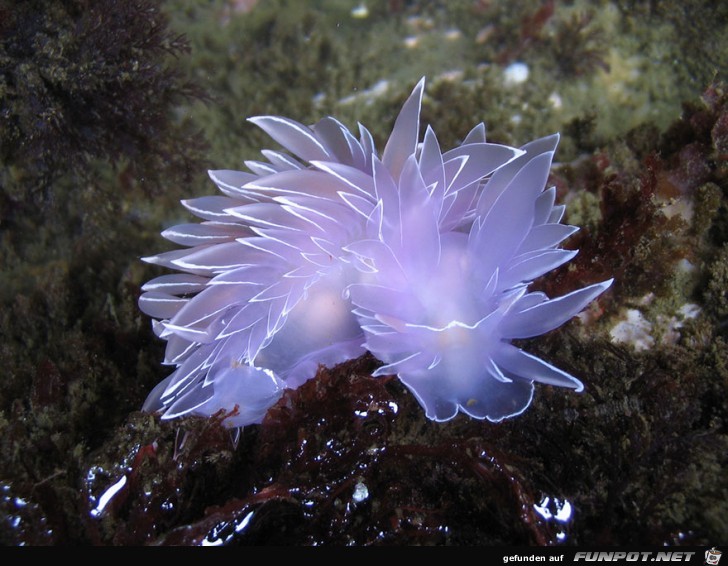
330 249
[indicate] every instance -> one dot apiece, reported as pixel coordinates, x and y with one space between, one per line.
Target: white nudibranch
320 253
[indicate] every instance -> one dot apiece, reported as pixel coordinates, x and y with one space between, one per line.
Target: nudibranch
328 249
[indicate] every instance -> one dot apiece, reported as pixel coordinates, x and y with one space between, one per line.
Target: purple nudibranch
318 254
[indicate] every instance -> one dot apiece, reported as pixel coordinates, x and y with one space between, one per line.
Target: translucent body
420 256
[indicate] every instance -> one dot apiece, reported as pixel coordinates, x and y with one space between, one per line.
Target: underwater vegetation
81 140
83 80
638 457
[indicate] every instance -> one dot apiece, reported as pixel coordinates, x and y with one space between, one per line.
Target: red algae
346 459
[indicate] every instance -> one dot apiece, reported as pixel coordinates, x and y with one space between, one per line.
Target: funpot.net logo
617 556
